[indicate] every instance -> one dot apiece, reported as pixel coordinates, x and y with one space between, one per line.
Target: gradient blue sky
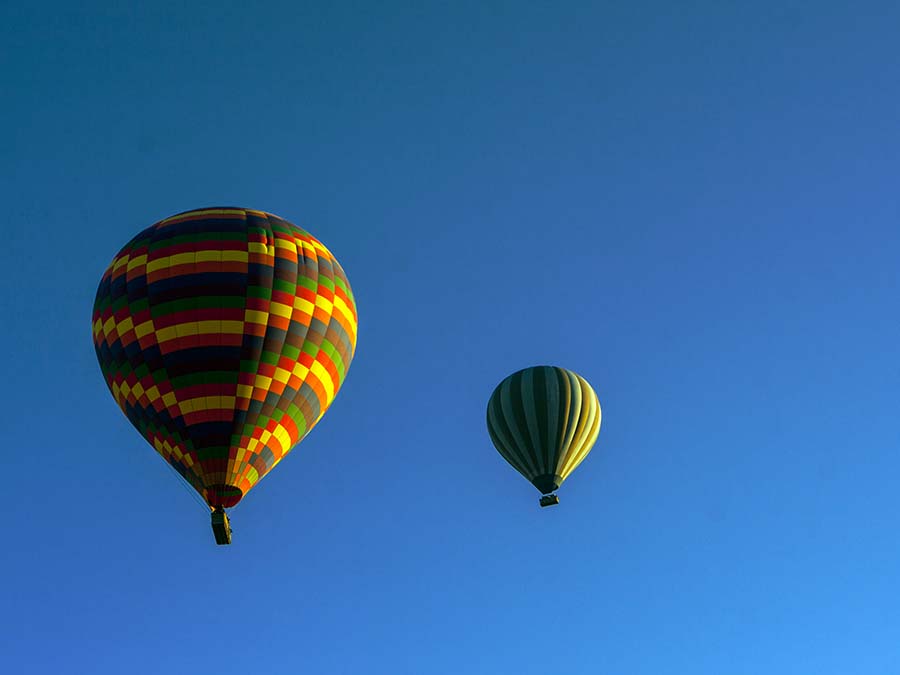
694 205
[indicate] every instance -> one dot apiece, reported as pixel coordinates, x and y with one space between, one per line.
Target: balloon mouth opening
223 496
547 483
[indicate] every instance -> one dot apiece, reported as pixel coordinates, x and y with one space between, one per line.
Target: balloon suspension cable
190 488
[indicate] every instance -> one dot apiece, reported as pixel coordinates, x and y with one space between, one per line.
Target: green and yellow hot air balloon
224 334
544 421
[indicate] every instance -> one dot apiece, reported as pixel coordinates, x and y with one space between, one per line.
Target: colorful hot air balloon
224 334
544 421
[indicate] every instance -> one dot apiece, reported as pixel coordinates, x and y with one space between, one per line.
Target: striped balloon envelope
544 421
224 334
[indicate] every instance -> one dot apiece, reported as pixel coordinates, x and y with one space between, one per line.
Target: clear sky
694 205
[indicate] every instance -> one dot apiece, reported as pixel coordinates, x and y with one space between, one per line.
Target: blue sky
694 206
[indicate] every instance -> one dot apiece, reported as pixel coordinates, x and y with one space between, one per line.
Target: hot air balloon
224 334
544 421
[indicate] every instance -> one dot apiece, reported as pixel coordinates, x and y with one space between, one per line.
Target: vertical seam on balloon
529 407
583 420
178 432
278 411
539 394
271 345
192 231
165 381
316 343
197 482
553 401
499 431
312 270
575 402
589 430
241 412
263 278
191 304
511 405
564 431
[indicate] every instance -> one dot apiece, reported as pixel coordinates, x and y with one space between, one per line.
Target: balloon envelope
224 334
544 421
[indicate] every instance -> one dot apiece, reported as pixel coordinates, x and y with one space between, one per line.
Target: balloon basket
221 526
549 500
